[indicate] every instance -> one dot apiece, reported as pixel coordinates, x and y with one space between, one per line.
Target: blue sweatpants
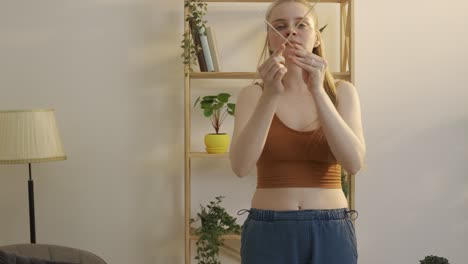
313 236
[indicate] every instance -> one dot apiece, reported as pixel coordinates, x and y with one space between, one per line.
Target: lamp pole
32 224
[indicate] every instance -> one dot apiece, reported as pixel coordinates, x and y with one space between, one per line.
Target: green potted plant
216 107
196 11
215 222
434 260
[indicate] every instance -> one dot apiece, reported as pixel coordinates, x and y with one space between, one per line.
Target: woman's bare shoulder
344 88
339 81
247 99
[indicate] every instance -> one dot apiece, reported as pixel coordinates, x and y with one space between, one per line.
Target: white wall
412 76
112 70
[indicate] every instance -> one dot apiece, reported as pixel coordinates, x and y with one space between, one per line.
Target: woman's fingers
280 73
307 58
270 67
310 62
271 61
278 60
275 60
273 70
305 66
299 52
279 51
276 57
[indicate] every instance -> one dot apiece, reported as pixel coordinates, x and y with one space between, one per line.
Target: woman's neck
293 81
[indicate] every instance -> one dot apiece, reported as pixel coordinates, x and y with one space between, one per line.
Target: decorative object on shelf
191 39
213 43
215 222
28 136
206 49
216 107
434 260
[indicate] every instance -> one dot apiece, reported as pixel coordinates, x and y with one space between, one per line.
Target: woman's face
284 19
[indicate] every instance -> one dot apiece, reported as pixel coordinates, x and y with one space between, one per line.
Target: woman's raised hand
272 72
314 67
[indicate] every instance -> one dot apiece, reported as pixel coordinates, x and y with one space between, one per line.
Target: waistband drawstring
348 212
243 211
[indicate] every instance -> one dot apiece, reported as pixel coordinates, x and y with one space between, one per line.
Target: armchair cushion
48 254
11 258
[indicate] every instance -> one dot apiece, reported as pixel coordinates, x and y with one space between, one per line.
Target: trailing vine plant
196 11
215 222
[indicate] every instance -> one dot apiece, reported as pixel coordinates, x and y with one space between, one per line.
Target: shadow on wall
157 72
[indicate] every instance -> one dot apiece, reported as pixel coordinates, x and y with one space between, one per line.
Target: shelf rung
224 75
263 1
208 155
246 75
226 237
235 252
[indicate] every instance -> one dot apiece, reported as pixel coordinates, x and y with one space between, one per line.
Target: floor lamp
29 136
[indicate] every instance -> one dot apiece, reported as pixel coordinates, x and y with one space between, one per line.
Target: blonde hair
329 80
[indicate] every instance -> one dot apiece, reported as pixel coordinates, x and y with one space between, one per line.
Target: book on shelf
206 49
210 34
197 42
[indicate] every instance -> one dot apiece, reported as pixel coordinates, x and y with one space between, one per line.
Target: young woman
299 128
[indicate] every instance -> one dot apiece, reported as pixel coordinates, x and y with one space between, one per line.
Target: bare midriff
298 198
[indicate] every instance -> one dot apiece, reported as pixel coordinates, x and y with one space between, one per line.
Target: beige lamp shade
28 136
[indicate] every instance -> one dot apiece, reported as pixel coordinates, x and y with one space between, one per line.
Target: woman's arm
343 126
254 113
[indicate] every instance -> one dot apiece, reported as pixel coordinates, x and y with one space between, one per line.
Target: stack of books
208 58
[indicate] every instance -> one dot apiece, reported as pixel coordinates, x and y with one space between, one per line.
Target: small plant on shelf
215 222
196 11
434 260
216 107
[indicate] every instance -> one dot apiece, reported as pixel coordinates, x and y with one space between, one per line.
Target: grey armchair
54 253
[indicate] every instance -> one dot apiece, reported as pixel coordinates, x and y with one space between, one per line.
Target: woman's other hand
272 72
314 67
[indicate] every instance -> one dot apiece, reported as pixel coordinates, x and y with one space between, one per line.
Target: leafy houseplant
196 10
434 260
215 222
216 107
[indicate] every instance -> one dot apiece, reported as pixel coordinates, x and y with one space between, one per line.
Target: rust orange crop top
292 158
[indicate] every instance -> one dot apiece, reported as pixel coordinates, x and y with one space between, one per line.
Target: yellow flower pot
217 143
